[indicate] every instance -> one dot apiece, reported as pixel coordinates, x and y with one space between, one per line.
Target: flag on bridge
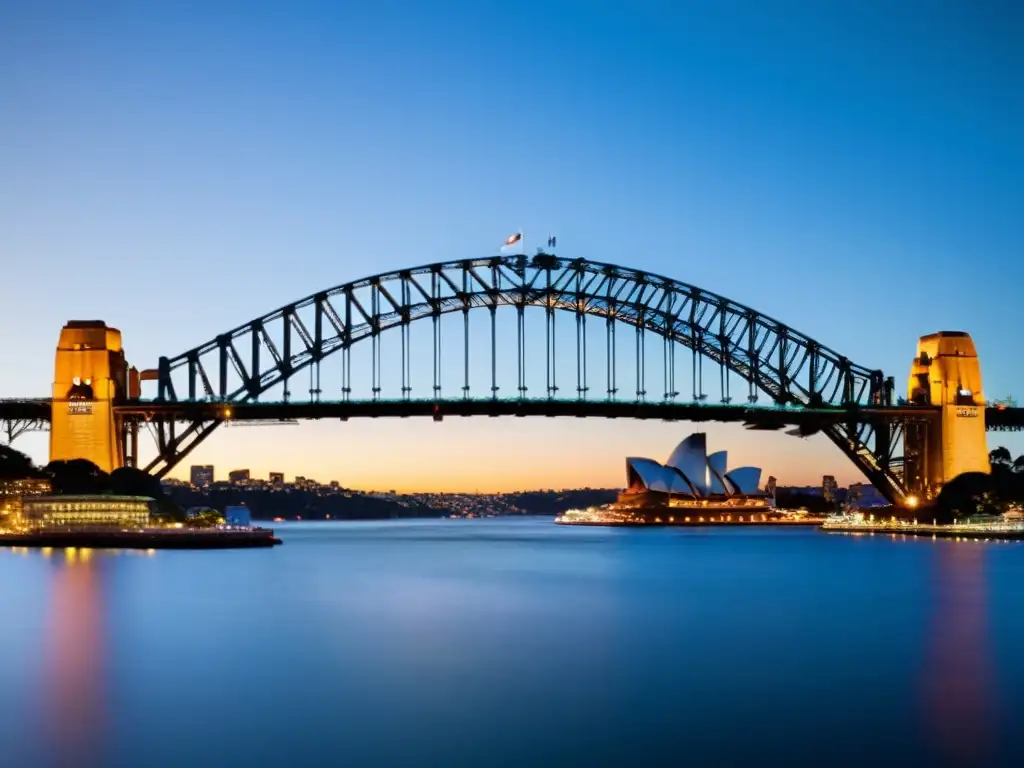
513 239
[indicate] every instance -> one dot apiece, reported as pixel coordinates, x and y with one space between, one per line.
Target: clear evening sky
854 169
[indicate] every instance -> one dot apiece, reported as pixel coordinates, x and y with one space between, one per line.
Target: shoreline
693 523
931 531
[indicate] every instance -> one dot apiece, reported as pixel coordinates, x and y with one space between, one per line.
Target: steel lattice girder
790 367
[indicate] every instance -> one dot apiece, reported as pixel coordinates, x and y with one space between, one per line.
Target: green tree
1018 464
968 494
1000 457
206 518
166 510
77 476
15 465
129 481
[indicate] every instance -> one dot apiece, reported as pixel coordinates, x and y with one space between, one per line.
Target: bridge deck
756 416
517 407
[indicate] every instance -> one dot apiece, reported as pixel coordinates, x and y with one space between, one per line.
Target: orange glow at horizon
498 455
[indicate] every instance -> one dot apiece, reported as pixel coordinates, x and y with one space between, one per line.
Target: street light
911 501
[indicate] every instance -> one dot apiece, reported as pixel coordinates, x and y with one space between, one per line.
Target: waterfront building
277 479
201 475
239 477
70 511
12 493
690 478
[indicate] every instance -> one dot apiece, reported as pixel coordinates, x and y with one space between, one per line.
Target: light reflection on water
959 674
74 654
514 642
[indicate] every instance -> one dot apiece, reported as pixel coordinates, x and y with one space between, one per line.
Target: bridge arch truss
248 363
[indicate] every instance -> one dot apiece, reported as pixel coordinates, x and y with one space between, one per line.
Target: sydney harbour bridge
464 338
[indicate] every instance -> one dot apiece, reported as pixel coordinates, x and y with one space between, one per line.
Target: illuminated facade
13 491
946 373
691 478
77 511
90 375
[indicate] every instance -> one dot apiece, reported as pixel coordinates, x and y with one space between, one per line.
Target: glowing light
911 501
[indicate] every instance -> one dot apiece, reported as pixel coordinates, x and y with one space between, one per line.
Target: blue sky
178 169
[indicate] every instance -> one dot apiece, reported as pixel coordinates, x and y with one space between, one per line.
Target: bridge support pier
90 377
946 373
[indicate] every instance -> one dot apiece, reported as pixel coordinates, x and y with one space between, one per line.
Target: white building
691 475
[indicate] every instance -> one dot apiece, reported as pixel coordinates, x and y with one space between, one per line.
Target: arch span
773 359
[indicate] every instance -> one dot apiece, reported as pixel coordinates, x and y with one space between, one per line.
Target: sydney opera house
693 479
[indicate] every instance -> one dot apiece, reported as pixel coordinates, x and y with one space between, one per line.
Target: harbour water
516 643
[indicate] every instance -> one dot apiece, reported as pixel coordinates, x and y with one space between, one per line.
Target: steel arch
793 369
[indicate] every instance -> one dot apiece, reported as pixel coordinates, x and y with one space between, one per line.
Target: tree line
978 493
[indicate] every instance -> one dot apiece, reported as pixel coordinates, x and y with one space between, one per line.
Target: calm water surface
516 642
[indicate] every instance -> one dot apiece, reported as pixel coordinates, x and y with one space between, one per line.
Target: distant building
861 495
770 486
277 479
828 488
239 477
201 475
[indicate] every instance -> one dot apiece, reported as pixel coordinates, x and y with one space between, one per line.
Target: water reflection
959 690
74 702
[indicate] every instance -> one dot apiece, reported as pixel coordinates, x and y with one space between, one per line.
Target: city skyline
203 476
863 191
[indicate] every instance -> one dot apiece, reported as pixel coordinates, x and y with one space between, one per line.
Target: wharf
683 523
142 539
981 531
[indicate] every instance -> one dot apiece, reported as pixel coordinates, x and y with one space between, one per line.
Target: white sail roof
689 471
746 479
716 473
691 459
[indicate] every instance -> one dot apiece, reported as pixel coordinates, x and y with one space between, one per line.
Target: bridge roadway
755 417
